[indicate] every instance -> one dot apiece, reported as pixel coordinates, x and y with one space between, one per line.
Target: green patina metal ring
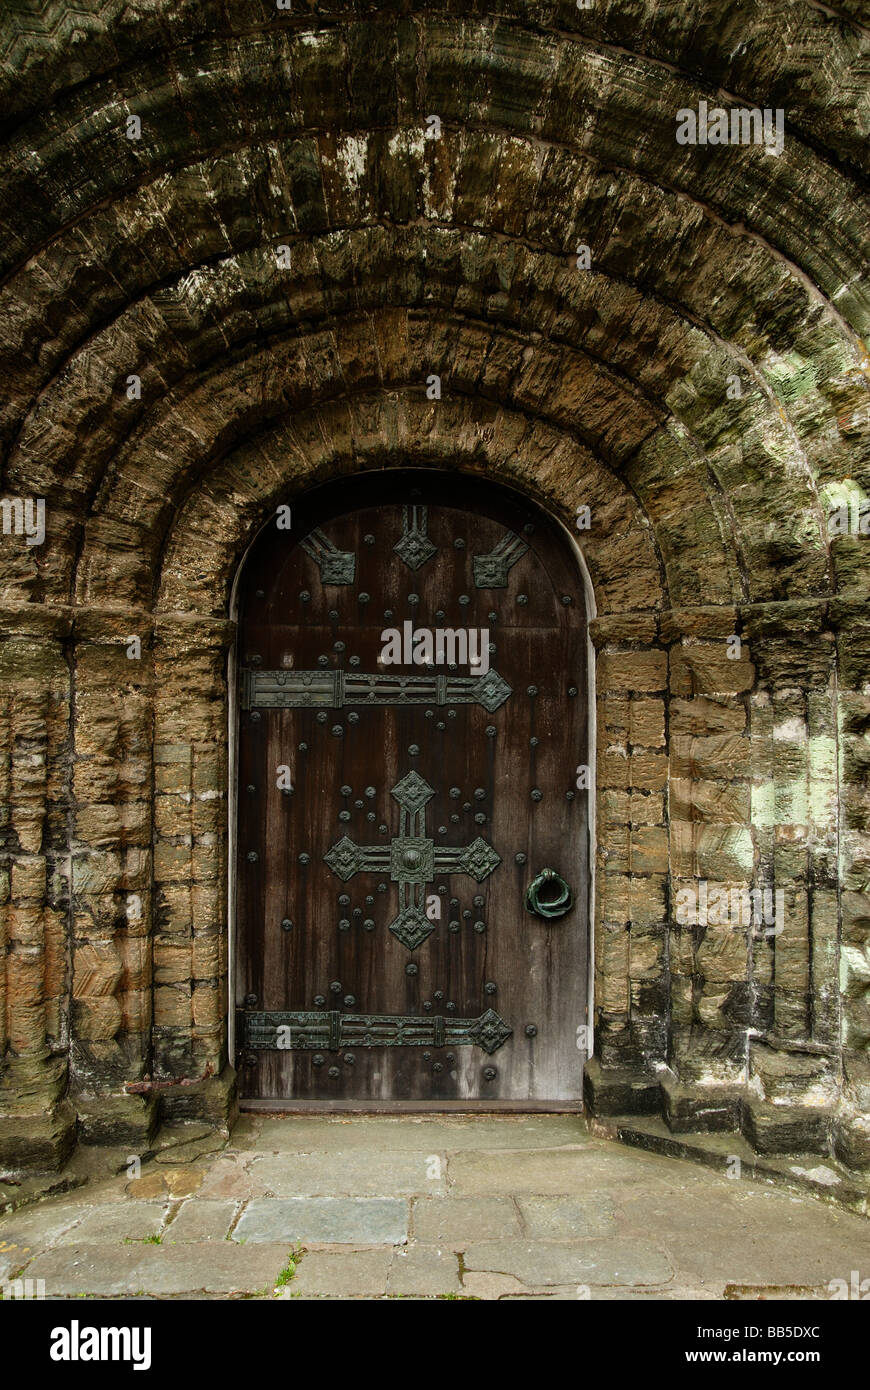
549 895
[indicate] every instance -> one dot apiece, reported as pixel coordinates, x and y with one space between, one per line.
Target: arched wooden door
413 711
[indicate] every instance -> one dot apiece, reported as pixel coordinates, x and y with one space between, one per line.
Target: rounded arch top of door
412 712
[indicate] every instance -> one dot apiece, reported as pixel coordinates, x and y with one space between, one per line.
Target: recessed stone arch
731 637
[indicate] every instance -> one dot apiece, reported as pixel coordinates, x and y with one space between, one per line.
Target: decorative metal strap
491 570
336 566
315 1031
334 689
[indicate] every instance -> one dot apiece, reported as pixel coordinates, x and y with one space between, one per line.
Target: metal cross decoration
412 859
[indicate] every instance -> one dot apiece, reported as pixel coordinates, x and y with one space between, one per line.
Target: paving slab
754 1293
565 1218
245 1131
216 1268
162 1183
227 1176
199 1221
186 1153
120 1221
457 1221
422 1272
33 1228
361 1273
574 1172
486 1285
568 1294
571 1293
354 1173
420 1134
759 1257
325 1220
183 1182
588 1262
780 1238
12 1259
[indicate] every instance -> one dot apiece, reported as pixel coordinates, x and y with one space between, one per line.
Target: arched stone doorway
412 874
699 381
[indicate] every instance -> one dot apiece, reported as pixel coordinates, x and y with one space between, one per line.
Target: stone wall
171 375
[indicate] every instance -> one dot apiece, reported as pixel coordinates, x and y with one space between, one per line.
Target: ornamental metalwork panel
491 570
336 689
328 1031
336 566
414 545
413 859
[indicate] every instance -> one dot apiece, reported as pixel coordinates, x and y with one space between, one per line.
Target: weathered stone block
28 878
206 956
615 890
722 954
796 1076
710 1006
25 924
711 1109
96 970
612 1091
172 964
614 717
214 1101
720 853
96 1019
709 1056
707 716
704 623
646 954
33 1142
649 850
647 808
632 671
615 767
172 1006
614 847
612 964
647 723
773 1129
851 1139
136 1011
614 807
648 899
717 757
706 670
649 771
716 803
682 999
207 1001
126 1119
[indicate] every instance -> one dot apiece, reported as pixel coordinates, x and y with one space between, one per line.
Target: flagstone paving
511 1207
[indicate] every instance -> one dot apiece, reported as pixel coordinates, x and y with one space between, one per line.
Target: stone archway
702 388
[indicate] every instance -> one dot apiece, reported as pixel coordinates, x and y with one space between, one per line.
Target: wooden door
396 799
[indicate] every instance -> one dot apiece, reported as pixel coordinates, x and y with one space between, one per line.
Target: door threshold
412 1107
